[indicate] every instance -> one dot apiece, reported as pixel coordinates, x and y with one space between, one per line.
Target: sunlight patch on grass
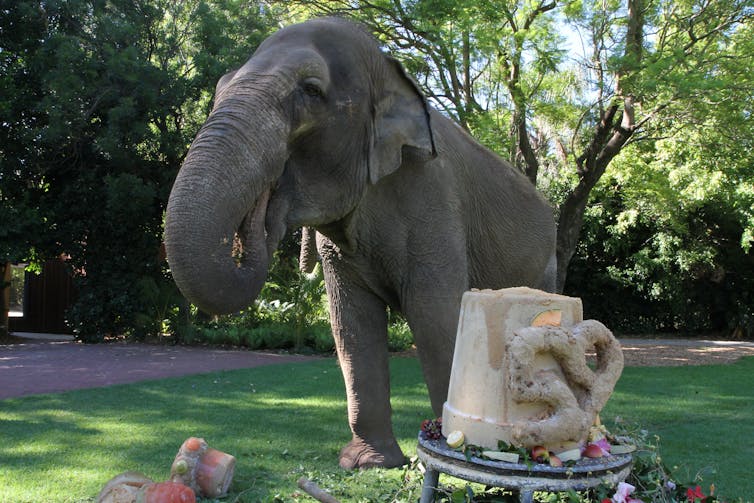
702 414
281 424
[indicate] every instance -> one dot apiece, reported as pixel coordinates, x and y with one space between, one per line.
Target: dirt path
52 365
676 352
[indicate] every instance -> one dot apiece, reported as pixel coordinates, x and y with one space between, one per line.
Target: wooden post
5 300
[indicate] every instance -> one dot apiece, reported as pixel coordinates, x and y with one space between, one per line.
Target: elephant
321 128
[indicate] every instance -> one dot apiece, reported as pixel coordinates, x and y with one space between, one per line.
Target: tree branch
541 9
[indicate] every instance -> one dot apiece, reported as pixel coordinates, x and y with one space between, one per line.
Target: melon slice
622 449
570 455
508 457
551 317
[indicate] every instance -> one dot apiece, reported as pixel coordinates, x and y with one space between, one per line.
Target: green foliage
667 240
291 312
102 101
655 481
21 92
399 336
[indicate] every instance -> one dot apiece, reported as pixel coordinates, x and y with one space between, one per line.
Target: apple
540 454
593 451
555 461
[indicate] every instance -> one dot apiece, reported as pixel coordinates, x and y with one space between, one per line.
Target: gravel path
51 364
676 352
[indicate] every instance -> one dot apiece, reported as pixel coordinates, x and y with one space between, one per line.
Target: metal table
518 477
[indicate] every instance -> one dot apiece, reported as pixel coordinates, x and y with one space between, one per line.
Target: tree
637 81
573 119
21 92
105 97
671 237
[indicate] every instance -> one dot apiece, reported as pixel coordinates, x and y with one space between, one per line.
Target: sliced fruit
550 317
165 492
570 455
455 439
540 454
593 451
508 457
622 449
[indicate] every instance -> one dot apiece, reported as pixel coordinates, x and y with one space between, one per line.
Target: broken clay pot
207 471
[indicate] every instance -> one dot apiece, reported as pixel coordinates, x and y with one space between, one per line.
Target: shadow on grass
287 421
280 421
702 416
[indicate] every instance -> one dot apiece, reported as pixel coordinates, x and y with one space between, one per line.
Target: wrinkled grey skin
321 129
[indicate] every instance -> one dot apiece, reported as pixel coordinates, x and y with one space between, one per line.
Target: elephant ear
401 124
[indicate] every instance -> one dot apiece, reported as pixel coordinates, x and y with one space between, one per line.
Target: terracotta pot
206 470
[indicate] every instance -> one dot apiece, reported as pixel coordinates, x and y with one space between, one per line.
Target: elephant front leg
359 325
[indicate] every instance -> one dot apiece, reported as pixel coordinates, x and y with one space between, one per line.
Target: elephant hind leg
433 322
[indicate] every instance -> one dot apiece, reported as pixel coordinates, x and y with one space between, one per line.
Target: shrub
638 272
290 313
399 336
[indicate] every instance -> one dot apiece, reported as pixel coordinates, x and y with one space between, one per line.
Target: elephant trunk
219 232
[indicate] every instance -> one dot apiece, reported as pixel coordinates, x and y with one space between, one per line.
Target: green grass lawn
287 421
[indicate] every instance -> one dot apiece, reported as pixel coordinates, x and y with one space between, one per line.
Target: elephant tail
550 277
307 259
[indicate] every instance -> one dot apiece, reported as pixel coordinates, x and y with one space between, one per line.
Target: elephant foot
360 454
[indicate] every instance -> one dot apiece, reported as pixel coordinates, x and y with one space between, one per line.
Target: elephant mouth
252 233
261 230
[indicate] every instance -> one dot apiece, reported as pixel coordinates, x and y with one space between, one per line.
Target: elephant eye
312 87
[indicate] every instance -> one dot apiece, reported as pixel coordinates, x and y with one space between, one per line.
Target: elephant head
296 136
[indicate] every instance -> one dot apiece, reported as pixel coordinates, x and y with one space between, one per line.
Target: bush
290 313
266 335
638 273
274 325
399 336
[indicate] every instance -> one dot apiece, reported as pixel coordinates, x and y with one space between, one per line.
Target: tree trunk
531 163
610 136
591 165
